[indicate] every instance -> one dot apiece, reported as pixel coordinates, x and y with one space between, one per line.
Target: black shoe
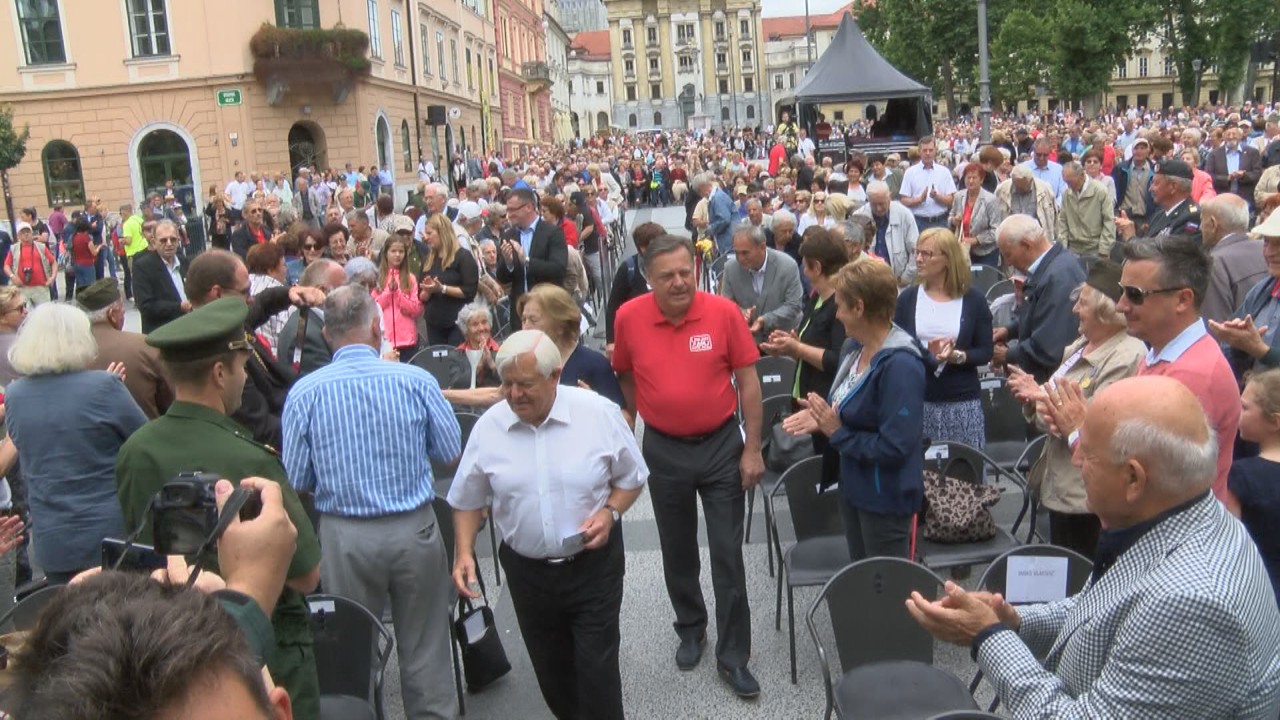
689 654
741 680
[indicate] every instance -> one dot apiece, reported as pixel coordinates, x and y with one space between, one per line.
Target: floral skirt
960 421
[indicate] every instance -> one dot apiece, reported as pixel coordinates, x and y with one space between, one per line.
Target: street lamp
1196 65
984 77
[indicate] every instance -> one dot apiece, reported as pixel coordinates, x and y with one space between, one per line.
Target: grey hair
756 234
1074 167
1231 212
876 187
54 339
100 315
436 187
1181 260
1178 464
664 244
363 271
357 214
1020 228
701 180
545 353
1041 142
478 186
317 273
496 210
854 229
485 242
754 202
784 216
165 221
469 311
348 310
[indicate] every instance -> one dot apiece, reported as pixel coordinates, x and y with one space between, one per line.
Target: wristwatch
617 516
959 357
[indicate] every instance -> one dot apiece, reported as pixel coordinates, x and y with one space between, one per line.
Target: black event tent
851 71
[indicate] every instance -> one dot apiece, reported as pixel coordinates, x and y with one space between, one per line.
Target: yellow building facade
123 95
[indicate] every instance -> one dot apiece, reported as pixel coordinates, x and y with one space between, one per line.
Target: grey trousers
402 555
679 474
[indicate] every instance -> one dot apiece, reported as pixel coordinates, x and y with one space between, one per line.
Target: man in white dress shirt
927 188
562 466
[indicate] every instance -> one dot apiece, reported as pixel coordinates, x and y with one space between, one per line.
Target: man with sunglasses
1163 285
159 279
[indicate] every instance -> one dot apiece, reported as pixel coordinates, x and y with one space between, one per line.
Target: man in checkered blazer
1178 619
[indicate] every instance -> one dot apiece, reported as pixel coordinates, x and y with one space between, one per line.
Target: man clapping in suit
159 279
533 251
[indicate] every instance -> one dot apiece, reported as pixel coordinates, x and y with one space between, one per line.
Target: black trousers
874 535
1078 531
680 473
568 615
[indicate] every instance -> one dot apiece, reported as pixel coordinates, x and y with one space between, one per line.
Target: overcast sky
776 8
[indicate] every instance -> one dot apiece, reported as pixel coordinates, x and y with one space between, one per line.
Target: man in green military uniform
205 353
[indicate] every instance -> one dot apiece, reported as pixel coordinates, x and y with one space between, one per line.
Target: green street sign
228 97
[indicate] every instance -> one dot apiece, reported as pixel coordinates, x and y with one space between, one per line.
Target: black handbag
786 449
483 658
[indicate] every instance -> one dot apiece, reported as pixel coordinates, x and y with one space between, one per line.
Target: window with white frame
471 83
599 87
724 87
791 79
426 50
686 63
453 50
655 91
777 82
631 92
744 27
41 32
653 66
719 30
629 66
1122 70
397 37
375 32
722 59
298 14
746 57
493 88
1142 67
748 84
651 35
444 74
626 37
148 28
684 32
1168 66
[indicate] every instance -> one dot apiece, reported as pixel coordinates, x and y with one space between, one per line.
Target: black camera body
184 514
26 275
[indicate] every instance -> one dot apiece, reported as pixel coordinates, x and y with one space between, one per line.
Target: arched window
657 119
406 152
602 120
383 136
724 114
63 181
751 112
632 120
163 156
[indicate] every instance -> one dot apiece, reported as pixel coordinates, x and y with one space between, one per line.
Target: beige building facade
687 63
124 95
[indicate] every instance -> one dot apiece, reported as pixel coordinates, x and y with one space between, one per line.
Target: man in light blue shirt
374 488
1042 168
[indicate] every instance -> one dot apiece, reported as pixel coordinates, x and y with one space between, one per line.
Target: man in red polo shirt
678 353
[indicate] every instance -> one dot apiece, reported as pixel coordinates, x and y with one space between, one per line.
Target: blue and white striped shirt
360 433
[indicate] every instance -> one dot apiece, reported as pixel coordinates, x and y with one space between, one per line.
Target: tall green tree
1219 33
13 147
1019 56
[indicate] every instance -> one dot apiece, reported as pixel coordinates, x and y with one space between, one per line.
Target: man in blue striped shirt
360 433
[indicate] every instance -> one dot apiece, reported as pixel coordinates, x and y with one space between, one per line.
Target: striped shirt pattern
361 432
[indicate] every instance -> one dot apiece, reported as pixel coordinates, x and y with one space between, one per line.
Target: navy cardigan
957 382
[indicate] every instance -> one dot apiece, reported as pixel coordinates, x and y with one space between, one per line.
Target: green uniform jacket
194 438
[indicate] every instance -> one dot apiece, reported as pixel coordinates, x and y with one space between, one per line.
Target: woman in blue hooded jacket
874 415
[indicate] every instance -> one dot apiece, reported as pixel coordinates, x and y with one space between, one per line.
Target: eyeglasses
925 254
309 246
1138 296
167 240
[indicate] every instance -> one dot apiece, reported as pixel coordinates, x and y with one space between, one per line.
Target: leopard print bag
957 511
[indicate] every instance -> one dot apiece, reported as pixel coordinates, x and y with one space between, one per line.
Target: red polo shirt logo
700 343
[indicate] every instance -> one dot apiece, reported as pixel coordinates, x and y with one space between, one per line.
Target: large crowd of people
1137 330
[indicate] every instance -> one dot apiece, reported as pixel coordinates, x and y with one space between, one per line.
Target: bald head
1145 446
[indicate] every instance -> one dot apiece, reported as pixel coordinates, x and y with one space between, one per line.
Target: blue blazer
957 382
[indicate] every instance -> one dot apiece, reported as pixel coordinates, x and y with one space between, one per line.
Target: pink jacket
1201 186
400 310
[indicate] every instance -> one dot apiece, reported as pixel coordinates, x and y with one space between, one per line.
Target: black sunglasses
310 246
1137 296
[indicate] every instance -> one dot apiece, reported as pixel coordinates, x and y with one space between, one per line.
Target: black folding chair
1030 456
886 658
965 715
501 318
443 472
773 410
985 276
999 289
26 612
972 465
351 649
995 580
449 366
777 375
820 549
1007 431
444 522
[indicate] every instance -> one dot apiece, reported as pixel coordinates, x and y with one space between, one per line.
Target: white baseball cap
468 210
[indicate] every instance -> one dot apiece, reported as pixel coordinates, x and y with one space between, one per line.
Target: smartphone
117 555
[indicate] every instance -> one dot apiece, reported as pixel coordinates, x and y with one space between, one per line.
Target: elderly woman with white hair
67 423
1103 354
478 344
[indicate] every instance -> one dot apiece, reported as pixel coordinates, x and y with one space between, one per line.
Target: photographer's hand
254 555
